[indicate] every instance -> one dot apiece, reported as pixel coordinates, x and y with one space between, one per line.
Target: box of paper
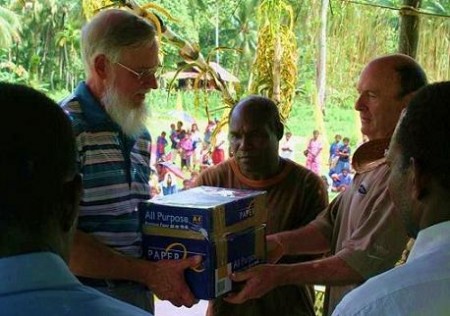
225 226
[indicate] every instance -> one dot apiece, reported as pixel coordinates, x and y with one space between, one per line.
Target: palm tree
244 36
9 27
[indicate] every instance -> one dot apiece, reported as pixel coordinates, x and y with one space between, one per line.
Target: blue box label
235 252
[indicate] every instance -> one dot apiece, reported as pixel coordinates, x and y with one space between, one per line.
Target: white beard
122 111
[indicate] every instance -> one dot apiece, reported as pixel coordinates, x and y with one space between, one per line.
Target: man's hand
258 280
274 248
166 279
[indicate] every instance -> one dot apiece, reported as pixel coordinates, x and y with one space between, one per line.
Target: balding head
263 108
410 73
385 87
112 30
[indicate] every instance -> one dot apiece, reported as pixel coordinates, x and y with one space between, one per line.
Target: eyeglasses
141 75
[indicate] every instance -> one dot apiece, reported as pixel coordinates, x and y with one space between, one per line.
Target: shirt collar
93 111
370 155
287 166
40 270
429 239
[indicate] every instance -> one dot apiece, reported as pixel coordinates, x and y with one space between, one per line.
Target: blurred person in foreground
295 196
360 230
40 191
108 113
420 188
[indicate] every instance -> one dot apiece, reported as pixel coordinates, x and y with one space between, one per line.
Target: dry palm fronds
275 66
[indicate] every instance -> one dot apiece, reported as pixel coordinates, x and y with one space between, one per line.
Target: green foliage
338 120
9 27
49 50
161 101
48 53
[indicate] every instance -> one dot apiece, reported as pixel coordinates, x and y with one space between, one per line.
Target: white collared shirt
419 287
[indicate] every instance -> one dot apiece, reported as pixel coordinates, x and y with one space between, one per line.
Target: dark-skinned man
295 196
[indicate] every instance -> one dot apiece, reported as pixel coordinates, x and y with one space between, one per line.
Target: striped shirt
115 171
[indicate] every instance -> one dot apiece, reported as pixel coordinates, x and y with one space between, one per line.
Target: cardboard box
225 226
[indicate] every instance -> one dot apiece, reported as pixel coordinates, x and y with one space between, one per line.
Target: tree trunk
322 62
409 28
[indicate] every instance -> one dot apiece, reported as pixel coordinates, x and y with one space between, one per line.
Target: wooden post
409 28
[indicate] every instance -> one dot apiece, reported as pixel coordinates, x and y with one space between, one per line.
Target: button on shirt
41 284
419 287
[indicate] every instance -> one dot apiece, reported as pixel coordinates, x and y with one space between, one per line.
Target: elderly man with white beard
108 113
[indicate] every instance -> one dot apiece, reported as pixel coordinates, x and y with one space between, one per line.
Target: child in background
161 144
344 153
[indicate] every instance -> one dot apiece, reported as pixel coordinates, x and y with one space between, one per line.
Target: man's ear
100 65
420 180
72 194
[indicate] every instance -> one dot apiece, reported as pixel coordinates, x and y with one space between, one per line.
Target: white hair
112 30
130 118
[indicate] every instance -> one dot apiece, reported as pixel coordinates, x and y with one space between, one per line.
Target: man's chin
246 166
138 102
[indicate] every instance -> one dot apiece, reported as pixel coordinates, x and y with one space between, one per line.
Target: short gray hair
112 30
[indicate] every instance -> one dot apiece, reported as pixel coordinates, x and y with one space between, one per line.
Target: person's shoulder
71 105
303 178
101 304
73 109
212 174
220 168
367 299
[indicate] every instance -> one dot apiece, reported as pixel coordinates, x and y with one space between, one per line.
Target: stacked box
225 226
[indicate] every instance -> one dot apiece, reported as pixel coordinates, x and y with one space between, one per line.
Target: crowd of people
188 153
339 175
70 239
192 152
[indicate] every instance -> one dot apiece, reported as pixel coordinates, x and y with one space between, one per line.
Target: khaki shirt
364 229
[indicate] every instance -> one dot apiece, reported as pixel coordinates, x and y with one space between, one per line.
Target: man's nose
359 104
150 82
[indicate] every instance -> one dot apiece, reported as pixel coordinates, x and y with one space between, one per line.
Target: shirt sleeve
364 229
326 220
377 243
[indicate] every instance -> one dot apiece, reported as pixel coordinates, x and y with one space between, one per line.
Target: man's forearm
304 240
90 258
260 279
328 271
